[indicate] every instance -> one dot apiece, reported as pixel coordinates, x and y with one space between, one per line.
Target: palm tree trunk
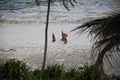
46 36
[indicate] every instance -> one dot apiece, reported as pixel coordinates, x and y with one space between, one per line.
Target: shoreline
71 58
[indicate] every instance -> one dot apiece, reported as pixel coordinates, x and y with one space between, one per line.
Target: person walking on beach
64 37
53 38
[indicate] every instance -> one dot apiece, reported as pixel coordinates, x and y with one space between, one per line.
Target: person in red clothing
64 37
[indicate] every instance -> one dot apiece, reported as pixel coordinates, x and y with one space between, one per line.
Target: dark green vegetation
17 70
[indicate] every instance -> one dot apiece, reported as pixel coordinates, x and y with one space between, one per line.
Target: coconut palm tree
106 37
65 3
46 30
46 35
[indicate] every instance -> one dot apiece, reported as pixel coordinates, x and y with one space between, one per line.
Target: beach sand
26 42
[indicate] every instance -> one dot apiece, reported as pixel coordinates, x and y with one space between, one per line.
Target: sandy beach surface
26 42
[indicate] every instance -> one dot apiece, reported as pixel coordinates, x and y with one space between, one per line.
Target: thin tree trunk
46 36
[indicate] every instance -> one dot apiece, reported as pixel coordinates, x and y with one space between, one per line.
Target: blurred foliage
90 73
52 72
15 70
72 74
105 33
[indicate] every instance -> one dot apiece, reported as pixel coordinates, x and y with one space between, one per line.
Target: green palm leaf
106 37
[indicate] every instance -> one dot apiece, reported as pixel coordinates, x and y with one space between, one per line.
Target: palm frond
65 3
105 33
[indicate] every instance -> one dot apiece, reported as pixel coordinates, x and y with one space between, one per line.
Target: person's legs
65 41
